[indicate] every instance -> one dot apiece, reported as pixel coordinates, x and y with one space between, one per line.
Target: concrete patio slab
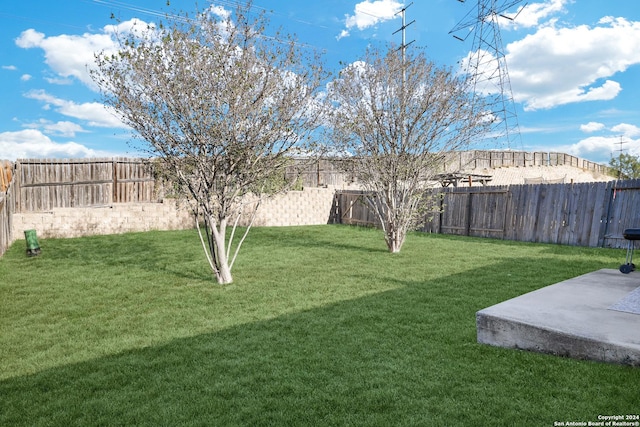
573 318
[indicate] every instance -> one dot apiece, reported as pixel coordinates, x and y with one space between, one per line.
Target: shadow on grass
141 251
315 238
402 357
133 251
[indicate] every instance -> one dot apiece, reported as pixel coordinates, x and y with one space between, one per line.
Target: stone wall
309 207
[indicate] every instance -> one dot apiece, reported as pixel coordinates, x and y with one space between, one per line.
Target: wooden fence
487 159
41 185
6 221
592 214
320 173
587 214
329 171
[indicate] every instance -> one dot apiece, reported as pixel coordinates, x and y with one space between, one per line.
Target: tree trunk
223 273
393 246
394 238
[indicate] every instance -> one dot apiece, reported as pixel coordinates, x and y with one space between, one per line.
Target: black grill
631 234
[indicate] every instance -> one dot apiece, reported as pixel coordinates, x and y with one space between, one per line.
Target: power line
127 6
228 3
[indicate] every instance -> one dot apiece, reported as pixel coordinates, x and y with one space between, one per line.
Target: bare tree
397 118
221 106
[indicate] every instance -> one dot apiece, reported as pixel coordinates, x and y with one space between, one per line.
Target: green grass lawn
322 326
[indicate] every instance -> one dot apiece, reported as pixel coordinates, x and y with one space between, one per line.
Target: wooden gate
474 213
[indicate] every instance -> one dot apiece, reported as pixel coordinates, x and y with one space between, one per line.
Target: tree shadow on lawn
403 357
315 237
184 257
133 251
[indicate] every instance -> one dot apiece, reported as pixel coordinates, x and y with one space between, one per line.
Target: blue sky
574 65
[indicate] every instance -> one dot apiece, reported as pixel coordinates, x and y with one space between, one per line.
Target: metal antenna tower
404 44
487 67
620 151
621 143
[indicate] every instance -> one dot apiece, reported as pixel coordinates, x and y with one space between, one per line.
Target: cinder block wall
112 219
309 207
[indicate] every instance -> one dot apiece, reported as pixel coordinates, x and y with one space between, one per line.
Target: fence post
604 222
74 202
442 193
114 192
17 172
467 226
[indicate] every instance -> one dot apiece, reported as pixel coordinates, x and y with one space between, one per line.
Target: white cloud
9 67
607 91
627 130
58 81
25 77
220 12
530 15
594 146
31 143
592 127
556 66
604 146
71 56
94 113
133 26
67 55
370 13
29 38
63 128
343 34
